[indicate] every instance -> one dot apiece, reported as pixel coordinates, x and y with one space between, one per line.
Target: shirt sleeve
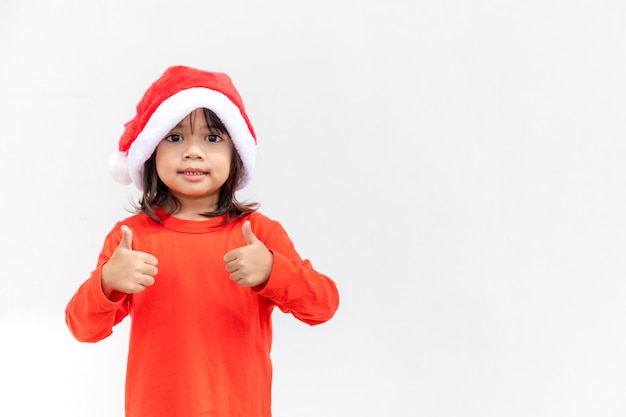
90 315
294 285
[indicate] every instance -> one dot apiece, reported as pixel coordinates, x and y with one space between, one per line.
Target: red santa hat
178 92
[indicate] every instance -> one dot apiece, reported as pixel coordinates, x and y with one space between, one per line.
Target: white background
456 166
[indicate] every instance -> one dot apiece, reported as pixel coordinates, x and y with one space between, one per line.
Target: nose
193 151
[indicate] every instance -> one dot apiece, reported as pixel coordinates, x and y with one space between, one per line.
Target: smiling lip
193 174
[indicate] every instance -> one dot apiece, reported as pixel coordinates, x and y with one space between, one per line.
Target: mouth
193 174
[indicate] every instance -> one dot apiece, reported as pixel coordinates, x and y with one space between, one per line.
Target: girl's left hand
249 265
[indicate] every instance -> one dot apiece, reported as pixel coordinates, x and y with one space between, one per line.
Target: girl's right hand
128 271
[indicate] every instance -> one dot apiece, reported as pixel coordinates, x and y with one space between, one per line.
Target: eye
174 138
213 138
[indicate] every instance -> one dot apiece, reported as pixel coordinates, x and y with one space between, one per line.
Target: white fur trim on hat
118 164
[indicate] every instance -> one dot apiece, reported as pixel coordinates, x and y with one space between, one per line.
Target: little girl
198 272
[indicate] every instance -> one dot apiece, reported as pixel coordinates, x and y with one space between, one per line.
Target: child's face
193 160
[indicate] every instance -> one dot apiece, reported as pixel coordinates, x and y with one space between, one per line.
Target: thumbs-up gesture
249 265
128 271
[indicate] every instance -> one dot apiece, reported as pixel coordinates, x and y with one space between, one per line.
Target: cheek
224 156
158 164
161 164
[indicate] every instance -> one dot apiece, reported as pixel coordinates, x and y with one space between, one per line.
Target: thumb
247 233
127 238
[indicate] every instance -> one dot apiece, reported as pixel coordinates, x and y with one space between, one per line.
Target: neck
190 209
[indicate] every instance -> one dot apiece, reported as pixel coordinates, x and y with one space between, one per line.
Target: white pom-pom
118 164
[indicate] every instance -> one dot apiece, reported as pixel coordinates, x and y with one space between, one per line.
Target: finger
247 233
232 267
148 258
136 288
231 256
140 284
236 276
127 238
149 270
147 281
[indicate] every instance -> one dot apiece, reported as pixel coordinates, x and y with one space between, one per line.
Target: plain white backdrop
458 167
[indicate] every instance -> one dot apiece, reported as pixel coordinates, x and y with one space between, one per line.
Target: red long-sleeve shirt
200 343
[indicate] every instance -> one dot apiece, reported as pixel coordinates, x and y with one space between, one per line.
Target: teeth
193 173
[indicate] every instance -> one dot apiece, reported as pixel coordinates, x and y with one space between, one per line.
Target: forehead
194 118
202 118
